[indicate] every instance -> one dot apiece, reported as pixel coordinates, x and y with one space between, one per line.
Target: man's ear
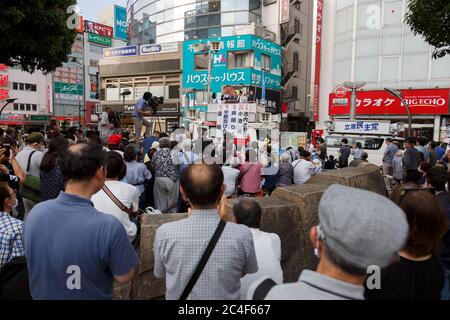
313 236
101 173
183 193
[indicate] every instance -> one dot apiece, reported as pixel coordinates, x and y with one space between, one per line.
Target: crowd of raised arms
72 202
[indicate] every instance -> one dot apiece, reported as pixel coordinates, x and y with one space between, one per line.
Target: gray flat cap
362 227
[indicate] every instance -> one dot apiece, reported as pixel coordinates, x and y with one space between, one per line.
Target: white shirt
128 195
230 175
303 170
268 255
35 163
104 120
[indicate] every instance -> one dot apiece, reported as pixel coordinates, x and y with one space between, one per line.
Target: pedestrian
357 151
423 169
148 141
250 176
52 179
165 191
293 154
344 153
411 157
417 273
267 245
303 168
138 116
115 143
322 152
286 171
73 251
230 174
397 167
105 127
118 198
30 159
438 177
440 151
11 234
331 163
432 151
180 245
347 241
421 147
388 161
137 173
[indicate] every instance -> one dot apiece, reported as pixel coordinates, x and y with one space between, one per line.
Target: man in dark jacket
411 158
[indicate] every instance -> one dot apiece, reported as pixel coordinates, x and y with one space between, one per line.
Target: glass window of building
28 108
34 107
294 93
21 86
240 59
15 86
296 61
174 92
16 106
22 107
265 62
201 61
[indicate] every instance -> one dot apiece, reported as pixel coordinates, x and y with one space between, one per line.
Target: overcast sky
91 8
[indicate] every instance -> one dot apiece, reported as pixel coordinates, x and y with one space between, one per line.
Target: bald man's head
202 184
82 161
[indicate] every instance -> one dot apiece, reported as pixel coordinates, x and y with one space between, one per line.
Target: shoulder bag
118 203
201 265
31 188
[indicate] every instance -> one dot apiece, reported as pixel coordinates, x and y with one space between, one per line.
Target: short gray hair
164 143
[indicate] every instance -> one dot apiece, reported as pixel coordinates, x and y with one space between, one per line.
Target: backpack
31 188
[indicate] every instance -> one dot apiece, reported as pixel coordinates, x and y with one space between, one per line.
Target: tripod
155 113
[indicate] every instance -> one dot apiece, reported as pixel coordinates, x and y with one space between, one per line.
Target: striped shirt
11 238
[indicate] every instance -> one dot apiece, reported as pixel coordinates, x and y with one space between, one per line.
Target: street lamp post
8 101
405 104
125 93
353 86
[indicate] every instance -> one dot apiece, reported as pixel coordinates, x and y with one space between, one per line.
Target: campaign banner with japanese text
420 101
233 118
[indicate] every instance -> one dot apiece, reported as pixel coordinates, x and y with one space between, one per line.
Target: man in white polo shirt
303 168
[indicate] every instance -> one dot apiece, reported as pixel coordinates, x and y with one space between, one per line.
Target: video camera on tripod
154 102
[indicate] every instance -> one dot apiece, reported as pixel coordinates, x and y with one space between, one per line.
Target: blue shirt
439 152
147 143
140 105
68 239
389 153
424 151
137 173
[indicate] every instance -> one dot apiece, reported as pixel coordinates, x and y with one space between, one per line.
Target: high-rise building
369 41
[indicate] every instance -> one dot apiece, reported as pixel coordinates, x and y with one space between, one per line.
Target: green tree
36 34
431 19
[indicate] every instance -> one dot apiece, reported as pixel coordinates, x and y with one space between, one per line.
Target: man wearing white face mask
11 235
30 159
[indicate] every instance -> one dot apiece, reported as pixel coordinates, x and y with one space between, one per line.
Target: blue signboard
229 66
120 52
120 23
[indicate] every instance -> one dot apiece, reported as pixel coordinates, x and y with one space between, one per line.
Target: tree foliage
431 19
35 33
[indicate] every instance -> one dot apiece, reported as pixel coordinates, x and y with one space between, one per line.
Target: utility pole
353 86
406 105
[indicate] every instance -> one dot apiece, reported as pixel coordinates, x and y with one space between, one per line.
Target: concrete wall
290 212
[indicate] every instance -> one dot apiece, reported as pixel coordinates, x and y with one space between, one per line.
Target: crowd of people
71 203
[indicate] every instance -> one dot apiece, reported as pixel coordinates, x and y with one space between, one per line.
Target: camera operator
139 113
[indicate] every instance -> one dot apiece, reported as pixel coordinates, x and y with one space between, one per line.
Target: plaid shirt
11 238
179 246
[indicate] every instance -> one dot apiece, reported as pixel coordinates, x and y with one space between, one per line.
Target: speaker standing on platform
139 114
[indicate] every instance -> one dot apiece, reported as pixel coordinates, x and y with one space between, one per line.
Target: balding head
247 212
202 185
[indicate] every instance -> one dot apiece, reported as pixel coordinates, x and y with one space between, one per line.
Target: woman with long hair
52 179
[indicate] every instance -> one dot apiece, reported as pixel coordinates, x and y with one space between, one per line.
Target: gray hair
164 143
285 156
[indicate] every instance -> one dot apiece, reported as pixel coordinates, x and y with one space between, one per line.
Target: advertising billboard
379 102
97 28
318 41
120 52
120 23
95 38
224 72
147 49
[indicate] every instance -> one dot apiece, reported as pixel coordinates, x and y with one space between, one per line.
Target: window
28 107
367 143
22 107
21 86
174 92
200 97
16 106
34 107
201 62
265 62
294 93
240 59
296 25
15 86
295 59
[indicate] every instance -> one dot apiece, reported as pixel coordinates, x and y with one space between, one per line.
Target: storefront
429 110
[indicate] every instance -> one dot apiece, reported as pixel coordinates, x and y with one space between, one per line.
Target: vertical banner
317 66
120 23
284 11
233 118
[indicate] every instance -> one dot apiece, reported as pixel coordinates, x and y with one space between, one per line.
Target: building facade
138 69
288 23
368 40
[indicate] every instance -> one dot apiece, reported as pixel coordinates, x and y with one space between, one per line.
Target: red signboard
421 101
3 67
98 28
3 80
4 94
317 63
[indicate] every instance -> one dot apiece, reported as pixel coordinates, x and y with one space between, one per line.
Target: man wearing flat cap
357 229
